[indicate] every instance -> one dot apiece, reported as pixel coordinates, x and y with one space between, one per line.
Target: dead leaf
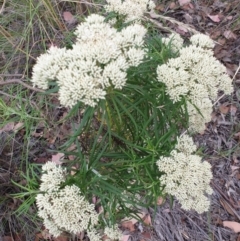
224 109
61 238
38 237
8 127
233 109
68 17
172 5
188 18
45 234
181 30
238 177
232 225
41 160
191 5
160 201
147 220
228 34
18 126
105 238
146 235
214 18
233 168
183 2
160 7
57 158
215 34
125 237
129 225
238 239
71 148
229 17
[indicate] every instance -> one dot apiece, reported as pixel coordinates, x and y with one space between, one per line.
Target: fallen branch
18 81
172 20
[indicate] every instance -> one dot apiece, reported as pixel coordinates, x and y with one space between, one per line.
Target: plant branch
18 81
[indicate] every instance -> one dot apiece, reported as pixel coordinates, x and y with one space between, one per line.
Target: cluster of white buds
197 75
63 209
186 176
132 9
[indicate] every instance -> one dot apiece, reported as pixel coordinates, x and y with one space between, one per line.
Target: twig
218 99
10 75
236 71
172 20
10 96
159 25
84 1
3 5
18 81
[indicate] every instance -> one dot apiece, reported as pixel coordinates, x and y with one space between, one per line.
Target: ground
219 143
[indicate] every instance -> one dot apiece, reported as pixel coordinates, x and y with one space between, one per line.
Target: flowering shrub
135 101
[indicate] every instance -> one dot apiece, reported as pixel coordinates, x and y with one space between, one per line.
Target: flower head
202 40
186 176
63 209
196 75
175 40
113 233
132 9
52 177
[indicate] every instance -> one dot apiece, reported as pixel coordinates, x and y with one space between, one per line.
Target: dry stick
224 196
159 25
11 75
172 20
3 6
18 81
236 71
84 1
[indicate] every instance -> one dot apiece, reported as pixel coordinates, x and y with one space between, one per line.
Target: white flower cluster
50 184
132 9
186 176
175 40
197 75
113 233
99 58
63 209
202 40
